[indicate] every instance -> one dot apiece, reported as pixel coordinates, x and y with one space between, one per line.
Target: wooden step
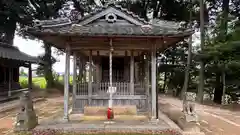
102 110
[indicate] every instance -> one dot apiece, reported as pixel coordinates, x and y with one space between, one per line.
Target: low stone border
104 132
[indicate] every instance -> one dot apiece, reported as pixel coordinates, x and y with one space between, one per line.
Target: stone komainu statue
26 118
189 121
188 104
189 108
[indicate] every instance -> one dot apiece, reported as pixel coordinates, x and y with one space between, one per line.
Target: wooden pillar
79 76
98 68
126 67
110 102
98 71
5 74
132 73
146 79
30 77
10 81
90 79
74 78
136 75
154 92
84 72
66 83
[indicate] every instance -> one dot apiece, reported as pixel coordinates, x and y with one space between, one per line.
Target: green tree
45 10
23 12
22 72
222 51
11 13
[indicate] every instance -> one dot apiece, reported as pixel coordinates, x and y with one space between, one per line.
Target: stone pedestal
26 118
189 124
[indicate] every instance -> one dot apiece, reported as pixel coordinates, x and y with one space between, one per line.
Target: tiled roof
67 21
114 30
66 26
12 52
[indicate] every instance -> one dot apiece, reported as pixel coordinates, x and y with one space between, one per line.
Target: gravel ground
44 109
213 120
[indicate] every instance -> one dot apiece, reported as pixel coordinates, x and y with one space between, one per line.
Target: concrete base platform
110 127
143 126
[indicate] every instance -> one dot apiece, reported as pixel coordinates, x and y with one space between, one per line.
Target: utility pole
201 72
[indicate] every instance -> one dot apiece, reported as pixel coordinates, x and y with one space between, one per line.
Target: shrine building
120 50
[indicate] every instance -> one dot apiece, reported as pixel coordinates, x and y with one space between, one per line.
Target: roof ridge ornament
111 18
147 28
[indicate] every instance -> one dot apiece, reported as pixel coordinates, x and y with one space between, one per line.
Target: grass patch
39 82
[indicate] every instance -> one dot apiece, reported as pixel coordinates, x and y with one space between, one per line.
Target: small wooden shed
11 58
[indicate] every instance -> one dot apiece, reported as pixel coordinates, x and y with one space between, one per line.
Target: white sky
34 48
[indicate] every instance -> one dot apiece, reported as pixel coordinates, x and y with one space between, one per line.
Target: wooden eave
101 42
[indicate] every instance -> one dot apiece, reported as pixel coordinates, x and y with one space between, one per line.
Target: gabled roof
116 9
65 26
12 52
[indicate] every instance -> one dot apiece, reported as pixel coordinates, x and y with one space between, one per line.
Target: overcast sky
34 48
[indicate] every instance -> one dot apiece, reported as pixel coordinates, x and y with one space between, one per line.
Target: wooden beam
87 47
114 97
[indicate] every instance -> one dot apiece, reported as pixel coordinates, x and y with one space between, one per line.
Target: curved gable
113 15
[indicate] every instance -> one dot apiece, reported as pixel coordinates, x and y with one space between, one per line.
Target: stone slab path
213 120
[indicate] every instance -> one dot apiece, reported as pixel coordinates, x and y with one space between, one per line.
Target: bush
38 82
23 83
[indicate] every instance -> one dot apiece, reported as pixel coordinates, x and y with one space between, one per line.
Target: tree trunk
218 89
223 38
224 86
144 11
164 82
10 31
156 9
187 70
48 65
224 20
201 72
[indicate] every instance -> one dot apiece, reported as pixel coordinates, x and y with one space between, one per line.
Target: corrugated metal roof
12 52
